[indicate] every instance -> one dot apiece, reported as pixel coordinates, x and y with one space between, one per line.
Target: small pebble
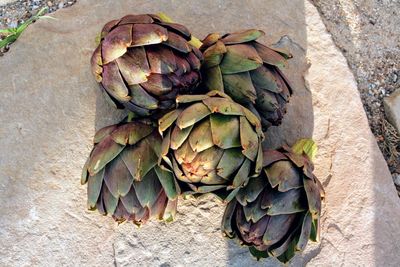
396 179
395 78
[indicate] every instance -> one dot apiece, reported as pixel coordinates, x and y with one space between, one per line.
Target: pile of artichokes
197 116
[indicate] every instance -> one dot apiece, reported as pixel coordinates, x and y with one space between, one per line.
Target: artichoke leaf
168 182
225 131
230 162
251 191
223 106
249 139
179 136
283 174
157 84
168 119
103 153
214 55
117 178
133 66
113 82
240 87
142 99
210 39
213 79
313 196
226 224
94 188
161 59
110 202
288 202
103 133
116 43
201 138
170 210
139 159
192 114
148 189
242 176
240 58
278 227
130 201
147 34
131 133
269 56
305 232
177 42
242 37
133 19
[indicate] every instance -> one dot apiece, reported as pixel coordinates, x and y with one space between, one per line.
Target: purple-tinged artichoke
143 62
279 211
123 177
249 72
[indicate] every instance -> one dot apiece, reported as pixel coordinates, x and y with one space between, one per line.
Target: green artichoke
249 72
277 212
211 143
143 62
123 177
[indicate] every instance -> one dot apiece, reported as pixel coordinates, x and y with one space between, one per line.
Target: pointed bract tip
306 146
164 17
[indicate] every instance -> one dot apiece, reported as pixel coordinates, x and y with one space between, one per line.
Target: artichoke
249 72
143 62
277 212
211 143
123 177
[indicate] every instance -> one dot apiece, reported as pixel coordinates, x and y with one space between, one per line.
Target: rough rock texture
392 109
3 2
50 107
368 34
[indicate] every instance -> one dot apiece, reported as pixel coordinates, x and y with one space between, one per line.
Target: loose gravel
15 13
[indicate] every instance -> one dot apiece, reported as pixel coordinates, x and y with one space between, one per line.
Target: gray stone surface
50 108
392 109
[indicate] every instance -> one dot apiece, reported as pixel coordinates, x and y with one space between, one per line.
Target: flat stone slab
50 107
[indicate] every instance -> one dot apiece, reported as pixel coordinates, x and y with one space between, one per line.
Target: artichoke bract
123 177
143 62
279 211
249 72
211 144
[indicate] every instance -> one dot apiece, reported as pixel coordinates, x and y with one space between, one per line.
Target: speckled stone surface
50 107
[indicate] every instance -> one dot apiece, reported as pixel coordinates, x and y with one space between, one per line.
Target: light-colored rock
4 2
50 107
392 109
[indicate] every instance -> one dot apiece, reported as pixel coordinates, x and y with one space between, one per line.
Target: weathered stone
3 2
50 107
392 109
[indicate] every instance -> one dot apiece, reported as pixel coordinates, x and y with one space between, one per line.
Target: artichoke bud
276 213
211 144
124 180
247 71
143 62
